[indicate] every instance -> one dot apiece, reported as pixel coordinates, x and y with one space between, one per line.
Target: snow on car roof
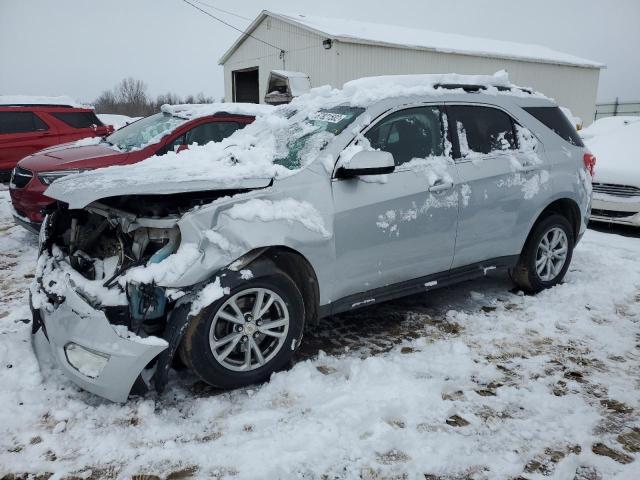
62 100
251 153
196 110
353 31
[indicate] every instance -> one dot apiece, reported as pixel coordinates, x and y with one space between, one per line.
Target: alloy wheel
551 254
249 329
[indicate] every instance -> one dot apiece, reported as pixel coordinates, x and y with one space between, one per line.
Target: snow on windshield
142 133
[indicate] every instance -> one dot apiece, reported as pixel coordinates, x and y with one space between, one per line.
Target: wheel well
568 209
302 273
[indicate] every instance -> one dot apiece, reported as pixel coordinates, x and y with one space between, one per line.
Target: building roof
352 31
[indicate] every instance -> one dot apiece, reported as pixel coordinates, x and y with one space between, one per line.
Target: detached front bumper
607 208
79 338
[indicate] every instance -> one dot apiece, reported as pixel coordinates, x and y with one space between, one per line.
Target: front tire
245 336
546 256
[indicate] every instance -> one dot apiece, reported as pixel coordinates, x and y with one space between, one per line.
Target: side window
20 122
554 119
211 132
39 123
408 134
482 129
173 146
78 119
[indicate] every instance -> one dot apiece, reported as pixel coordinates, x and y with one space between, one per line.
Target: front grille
596 212
20 177
616 190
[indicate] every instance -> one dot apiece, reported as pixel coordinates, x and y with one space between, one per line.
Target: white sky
80 47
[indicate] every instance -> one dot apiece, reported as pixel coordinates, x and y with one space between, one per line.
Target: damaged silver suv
221 255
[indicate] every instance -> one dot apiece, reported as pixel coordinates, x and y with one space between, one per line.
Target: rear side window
554 119
482 129
408 134
78 119
21 122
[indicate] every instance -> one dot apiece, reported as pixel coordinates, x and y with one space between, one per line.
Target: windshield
144 132
305 139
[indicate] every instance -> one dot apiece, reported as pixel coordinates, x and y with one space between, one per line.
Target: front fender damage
251 265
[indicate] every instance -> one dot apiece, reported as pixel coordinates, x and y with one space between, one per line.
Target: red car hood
67 156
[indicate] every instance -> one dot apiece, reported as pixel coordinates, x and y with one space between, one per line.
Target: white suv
343 199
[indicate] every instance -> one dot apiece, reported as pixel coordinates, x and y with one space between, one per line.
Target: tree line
130 97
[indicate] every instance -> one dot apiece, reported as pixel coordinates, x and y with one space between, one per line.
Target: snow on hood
250 154
614 142
40 100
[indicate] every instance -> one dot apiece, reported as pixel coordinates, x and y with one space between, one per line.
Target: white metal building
334 51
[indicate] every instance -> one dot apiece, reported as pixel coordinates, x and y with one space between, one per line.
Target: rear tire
232 343
546 255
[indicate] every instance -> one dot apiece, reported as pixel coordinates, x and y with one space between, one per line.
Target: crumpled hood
80 190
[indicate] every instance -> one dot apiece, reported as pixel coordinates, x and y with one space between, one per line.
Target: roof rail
47 105
467 87
476 88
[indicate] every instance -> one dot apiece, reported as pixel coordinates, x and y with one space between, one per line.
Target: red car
174 129
28 128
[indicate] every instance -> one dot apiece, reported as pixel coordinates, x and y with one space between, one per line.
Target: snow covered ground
472 381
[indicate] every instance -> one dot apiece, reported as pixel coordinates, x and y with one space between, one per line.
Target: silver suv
220 256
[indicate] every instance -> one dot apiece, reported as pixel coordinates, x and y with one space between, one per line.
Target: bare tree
129 97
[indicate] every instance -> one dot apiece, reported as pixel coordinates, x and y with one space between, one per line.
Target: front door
401 226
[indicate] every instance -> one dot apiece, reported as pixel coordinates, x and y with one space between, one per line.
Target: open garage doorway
245 85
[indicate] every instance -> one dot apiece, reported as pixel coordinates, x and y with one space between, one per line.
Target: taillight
590 163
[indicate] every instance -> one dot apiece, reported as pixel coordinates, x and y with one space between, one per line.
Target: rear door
503 178
22 133
78 124
401 226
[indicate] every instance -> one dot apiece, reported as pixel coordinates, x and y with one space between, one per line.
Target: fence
617 108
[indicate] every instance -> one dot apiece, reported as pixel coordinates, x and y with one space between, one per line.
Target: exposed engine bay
94 248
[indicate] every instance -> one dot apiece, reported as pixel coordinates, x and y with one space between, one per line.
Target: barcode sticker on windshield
327 117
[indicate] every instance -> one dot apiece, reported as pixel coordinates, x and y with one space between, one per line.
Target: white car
616 184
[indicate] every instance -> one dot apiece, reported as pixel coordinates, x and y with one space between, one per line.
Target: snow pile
288 209
353 31
190 111
208 295
614 142
41 100
480 383
86 142
116 121
166 272
54 274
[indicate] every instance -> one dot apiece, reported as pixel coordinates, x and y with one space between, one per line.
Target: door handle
441 186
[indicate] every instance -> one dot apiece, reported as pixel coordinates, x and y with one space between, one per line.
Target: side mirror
367 163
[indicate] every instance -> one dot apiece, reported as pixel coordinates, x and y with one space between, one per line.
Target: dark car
173 129
27 128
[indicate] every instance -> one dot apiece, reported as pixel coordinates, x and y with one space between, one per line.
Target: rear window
21 122
78 119
557 121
